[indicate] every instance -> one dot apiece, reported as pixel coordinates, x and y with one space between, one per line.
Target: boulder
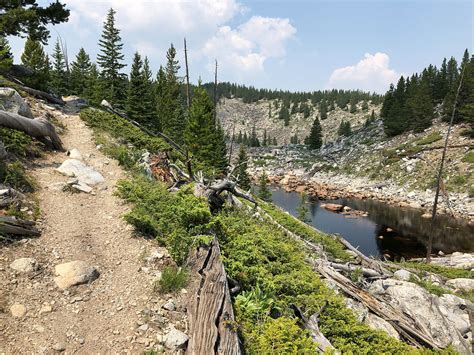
11 101
85 174
334 207
443 326
404 275
18 310
26 265
176 339
74 273
377 323
461 284
74 154
457 260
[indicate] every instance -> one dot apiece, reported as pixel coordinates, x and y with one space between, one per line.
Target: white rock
377 323
418 304
169 306
74 273
24 265
18 310
176 339
85 174
46 309
403 275
82 187
74 154
461 284
11 101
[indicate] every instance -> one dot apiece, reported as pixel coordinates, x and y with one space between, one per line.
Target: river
387 230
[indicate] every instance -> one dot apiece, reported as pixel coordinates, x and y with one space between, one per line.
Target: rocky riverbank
332 186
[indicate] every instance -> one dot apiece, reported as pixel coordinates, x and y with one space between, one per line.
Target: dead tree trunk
39 128
210 311
16 226
43 95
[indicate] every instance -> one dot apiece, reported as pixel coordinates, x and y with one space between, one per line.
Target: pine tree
241 169
148 100
160 98
93 86
80 73
302 209
315 138
344 129
284 115
323 109
269 110
465 105
6 57
34 58
110 61
365 106
240 138
28 17
59 78
136 90
353 105
203 139
275 141
263 191
306 111
264 143
420 106
172 114
245 139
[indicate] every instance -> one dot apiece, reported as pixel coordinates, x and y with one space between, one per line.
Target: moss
431 138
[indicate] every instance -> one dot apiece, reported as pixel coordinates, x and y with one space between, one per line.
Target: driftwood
404 325
312 326
351 268
211 317
17 226
39 128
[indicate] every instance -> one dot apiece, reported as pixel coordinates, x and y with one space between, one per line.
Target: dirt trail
118 312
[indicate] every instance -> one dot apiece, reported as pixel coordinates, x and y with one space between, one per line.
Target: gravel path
116 313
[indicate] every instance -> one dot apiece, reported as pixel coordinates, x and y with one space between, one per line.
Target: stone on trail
85 174
176 339
74 273
18 310
11 101
26 265
74 154
82 187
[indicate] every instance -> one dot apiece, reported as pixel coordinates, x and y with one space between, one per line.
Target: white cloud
247 47
159 15
371 74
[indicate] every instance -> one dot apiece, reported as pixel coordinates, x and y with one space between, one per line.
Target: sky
297 45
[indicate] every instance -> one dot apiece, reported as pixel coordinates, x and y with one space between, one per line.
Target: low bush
431 138
468 158
14 175
172 279
448 272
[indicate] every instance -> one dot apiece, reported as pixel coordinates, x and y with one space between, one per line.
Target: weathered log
312 326
210 313
17 226
43 95
351 268
8 196
404 325
39 128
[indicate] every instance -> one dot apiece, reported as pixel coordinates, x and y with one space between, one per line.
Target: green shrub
119 128
14 175
172 279
431 138
448 272
469 158
17 142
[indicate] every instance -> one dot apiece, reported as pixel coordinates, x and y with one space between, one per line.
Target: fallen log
312 326
210 313
366 272
43 95
8 196
39 128
16 226
403 324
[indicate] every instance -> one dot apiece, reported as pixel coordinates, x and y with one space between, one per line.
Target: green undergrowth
447 272
172 279
334 248
430 138
122 130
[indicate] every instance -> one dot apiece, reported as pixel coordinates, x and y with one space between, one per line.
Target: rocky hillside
244 116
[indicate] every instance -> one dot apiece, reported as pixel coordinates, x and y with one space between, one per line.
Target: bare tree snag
39 128
16 226
211 317
188 93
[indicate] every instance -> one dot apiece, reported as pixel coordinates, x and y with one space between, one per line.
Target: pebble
18 310
59 346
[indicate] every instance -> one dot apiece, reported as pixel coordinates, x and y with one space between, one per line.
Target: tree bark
17 226
39 128
211 317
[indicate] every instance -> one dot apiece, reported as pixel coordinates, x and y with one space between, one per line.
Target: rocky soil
86 285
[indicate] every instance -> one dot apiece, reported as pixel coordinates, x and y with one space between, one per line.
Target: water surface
394 231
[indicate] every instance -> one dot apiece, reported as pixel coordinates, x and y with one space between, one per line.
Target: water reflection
394 231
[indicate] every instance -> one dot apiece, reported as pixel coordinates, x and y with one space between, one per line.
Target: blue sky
296 45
